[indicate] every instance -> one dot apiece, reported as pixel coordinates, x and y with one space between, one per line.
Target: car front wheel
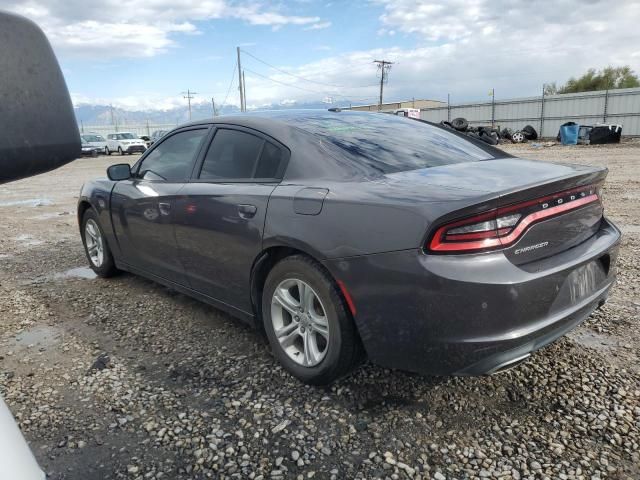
120 152
96 246
307 322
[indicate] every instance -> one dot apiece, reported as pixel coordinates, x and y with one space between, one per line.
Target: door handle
247 211
165 208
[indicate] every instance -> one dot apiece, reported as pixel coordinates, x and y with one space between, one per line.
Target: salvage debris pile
492 135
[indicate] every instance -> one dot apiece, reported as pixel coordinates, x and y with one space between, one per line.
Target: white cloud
118 28
319 26
462 47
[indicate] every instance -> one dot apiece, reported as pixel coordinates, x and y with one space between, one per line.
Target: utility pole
213 106
240 82
384 66
189 95
113 122
244 92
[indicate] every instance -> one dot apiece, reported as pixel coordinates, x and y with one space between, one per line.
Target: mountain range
88 115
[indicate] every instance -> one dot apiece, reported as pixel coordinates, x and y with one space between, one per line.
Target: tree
608 78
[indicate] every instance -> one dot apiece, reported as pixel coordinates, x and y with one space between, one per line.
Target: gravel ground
123 378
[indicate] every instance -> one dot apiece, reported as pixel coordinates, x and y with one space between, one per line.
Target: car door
142 208
221 212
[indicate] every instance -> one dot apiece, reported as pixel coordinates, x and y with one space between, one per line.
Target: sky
142 54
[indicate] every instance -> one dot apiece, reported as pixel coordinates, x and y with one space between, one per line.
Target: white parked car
124 142
94 140
16 460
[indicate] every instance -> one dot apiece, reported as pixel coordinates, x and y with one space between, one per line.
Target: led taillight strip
437 245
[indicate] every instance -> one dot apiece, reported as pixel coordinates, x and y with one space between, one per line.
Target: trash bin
569 134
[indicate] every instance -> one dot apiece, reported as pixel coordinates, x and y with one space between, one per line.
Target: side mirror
120 171
38 129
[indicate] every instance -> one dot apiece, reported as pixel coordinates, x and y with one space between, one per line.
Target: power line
233 76
303 88
304 78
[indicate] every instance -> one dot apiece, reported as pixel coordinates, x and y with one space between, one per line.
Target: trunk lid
559 216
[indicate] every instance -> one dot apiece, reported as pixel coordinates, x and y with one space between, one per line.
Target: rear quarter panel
361 218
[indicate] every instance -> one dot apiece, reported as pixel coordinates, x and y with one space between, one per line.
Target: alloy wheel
94 242
300 322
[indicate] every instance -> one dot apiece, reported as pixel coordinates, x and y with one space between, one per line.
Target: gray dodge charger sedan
344 235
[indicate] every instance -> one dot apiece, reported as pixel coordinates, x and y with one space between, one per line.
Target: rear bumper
473 314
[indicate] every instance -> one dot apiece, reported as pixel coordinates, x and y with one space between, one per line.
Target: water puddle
38 336
30 202
78 272
49 216
28 240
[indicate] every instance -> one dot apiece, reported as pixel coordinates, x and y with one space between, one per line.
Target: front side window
172 159
239 155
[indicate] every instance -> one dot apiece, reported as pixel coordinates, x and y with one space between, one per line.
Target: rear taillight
501 227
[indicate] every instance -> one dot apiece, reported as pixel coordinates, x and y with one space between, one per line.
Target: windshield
92 138
125 136
390 143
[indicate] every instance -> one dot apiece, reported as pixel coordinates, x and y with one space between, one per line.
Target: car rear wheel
107 151
307 322
96 246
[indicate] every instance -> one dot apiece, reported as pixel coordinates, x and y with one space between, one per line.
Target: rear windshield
393 144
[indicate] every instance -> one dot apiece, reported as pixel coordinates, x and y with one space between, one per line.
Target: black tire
108 266
446 124
506 133
107 151
120 152
344 350
460 124
530 132
486 137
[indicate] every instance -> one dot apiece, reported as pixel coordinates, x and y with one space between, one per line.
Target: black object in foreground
38 130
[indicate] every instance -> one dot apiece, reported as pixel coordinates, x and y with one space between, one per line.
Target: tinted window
233 155
172 159
389 143
270 161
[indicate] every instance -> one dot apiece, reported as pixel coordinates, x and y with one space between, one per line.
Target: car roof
287 117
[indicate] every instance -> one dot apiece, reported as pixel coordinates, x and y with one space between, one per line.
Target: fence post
448 108
606 105
493 108
542 112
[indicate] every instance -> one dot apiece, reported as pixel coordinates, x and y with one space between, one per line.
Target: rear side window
172 159
238 155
